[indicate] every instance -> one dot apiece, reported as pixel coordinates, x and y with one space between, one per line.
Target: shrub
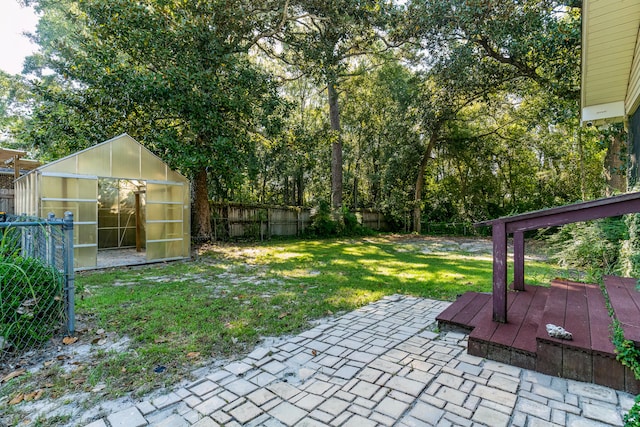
31 305
593 246
630 248
322 222
325 223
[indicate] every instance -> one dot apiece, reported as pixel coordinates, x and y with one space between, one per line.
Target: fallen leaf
96 340
49 363
314 353
234 340
69 340
12 375
61 357
78 381
30 396
48 385
283 315
329 312
123 369
100 331
38 394
193 354
160 340
19 398
98 387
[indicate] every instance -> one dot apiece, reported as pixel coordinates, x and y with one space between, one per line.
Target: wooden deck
523 341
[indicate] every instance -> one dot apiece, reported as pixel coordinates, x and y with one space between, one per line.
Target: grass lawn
170 318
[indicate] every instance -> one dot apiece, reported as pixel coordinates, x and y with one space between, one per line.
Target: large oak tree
176 74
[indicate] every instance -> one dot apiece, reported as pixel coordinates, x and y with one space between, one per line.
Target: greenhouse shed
121 196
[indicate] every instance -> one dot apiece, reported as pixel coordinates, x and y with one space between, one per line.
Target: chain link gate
36 281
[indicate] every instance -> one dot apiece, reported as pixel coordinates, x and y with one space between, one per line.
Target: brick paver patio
381 365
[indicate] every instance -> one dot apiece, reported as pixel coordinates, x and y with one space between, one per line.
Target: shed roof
119 157
610 63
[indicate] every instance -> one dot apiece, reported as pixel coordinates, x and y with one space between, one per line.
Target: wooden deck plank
526 339
483 315
485 326
456 307
554 309
621 294
506 333
466 316
549 354
600 321
577 316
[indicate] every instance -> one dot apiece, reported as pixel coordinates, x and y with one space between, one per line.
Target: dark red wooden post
499 233
518 261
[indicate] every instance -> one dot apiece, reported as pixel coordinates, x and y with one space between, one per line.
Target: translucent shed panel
164 212
53 187
68 165
164 230
152 167
162 250
96 161
125 159
85 256
174 176
186 228
82 211
85 234
27 195
164 192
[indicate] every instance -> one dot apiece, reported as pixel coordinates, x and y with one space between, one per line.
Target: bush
630 248
322 222
593 246
327 224
31 304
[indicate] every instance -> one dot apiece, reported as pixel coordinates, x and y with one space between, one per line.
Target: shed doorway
121 214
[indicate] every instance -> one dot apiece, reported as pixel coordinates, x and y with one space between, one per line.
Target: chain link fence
36 281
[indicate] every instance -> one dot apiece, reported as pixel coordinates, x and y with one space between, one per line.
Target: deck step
568 306
523 341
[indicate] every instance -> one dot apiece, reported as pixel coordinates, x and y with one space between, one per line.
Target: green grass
180 315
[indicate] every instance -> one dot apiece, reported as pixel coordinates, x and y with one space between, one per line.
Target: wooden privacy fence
237 220
6 201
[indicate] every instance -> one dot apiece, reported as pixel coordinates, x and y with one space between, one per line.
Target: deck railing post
500 272
518 261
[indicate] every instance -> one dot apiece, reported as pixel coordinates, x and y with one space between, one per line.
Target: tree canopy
456 110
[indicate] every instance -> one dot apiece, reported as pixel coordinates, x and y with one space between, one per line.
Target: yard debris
193 354
555 331
98 387
19 398
12 375
69 340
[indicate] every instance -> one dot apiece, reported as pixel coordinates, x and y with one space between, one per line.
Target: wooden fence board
236 220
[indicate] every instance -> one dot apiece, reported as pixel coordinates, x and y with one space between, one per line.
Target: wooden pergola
15 158
518 224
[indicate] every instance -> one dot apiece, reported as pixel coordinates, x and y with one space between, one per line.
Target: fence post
69 285
51 244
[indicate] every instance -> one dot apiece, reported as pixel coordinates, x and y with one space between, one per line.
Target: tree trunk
336 147
300 187
417 200
201 208
615 163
